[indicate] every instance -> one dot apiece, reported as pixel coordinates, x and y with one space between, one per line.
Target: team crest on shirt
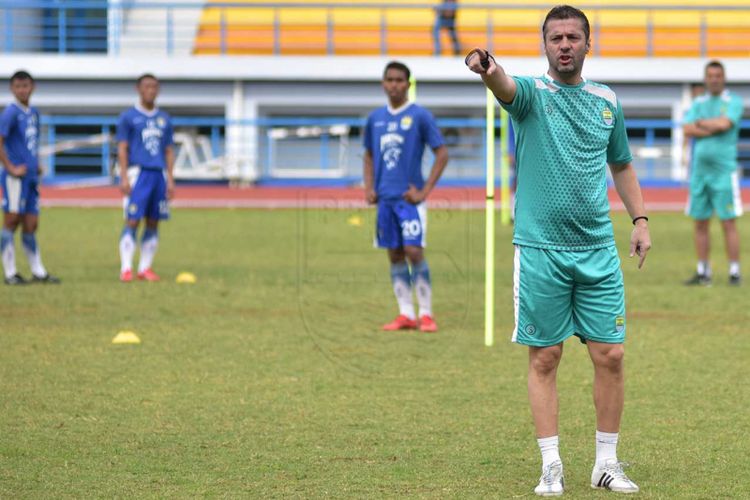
151 136
619 324
161 122
406 122
390 149
607 116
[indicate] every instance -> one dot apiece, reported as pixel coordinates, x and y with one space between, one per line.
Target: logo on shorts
607 116
620 324
132 208
530 329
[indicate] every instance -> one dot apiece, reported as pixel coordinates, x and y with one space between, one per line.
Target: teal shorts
718 192
562 293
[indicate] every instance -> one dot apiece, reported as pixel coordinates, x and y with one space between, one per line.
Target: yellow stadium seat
346 29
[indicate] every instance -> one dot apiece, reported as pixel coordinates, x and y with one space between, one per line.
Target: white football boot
609 476
551 484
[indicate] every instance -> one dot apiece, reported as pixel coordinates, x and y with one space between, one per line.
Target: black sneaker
735 279
699 279
47 278
16 279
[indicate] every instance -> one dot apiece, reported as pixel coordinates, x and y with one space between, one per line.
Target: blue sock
401 280
128 230
421 271
6 238
29 241
148 234
423 286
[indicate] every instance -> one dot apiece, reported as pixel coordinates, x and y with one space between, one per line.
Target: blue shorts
563 293
401 223
20 195
148 195
717 193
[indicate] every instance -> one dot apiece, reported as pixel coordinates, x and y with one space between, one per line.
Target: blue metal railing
465 139
98 25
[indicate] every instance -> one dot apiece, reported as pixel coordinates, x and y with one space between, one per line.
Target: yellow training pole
412 95
504 169
489 251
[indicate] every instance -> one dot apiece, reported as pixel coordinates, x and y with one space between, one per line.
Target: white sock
33 255
424 296
127 250
401 280
606 446
550 448
734 268
703 268
149 245
9 260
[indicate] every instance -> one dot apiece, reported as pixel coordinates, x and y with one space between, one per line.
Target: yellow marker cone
354 220
185 277
125 337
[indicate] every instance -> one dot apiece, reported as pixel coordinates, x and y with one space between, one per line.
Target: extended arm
494 77
629 190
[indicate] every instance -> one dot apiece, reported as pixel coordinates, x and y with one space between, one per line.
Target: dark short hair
714 64
144 76
21 75
399 66
567 12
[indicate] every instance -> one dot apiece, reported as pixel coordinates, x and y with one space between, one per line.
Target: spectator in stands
714 122
445 18
19 143
394 139
145 152
567 277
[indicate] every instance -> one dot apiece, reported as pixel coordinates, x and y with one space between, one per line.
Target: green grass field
270 378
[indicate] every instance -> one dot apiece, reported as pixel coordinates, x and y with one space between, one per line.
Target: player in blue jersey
145 152
714 122
395 138
567 276
19 143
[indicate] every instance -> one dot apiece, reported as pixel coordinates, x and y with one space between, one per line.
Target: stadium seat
643 31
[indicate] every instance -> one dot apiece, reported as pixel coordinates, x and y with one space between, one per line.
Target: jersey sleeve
618 150
691 115
6 121
123 129
734 110
367 136
430 131
521 103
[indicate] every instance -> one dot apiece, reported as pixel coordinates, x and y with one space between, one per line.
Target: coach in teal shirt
713 121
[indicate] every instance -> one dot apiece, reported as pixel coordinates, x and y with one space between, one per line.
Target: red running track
668 199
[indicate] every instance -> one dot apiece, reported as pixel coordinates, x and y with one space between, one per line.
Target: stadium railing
648 29
316 150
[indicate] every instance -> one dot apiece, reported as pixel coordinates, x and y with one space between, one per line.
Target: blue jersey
396 141
20 130
148 135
